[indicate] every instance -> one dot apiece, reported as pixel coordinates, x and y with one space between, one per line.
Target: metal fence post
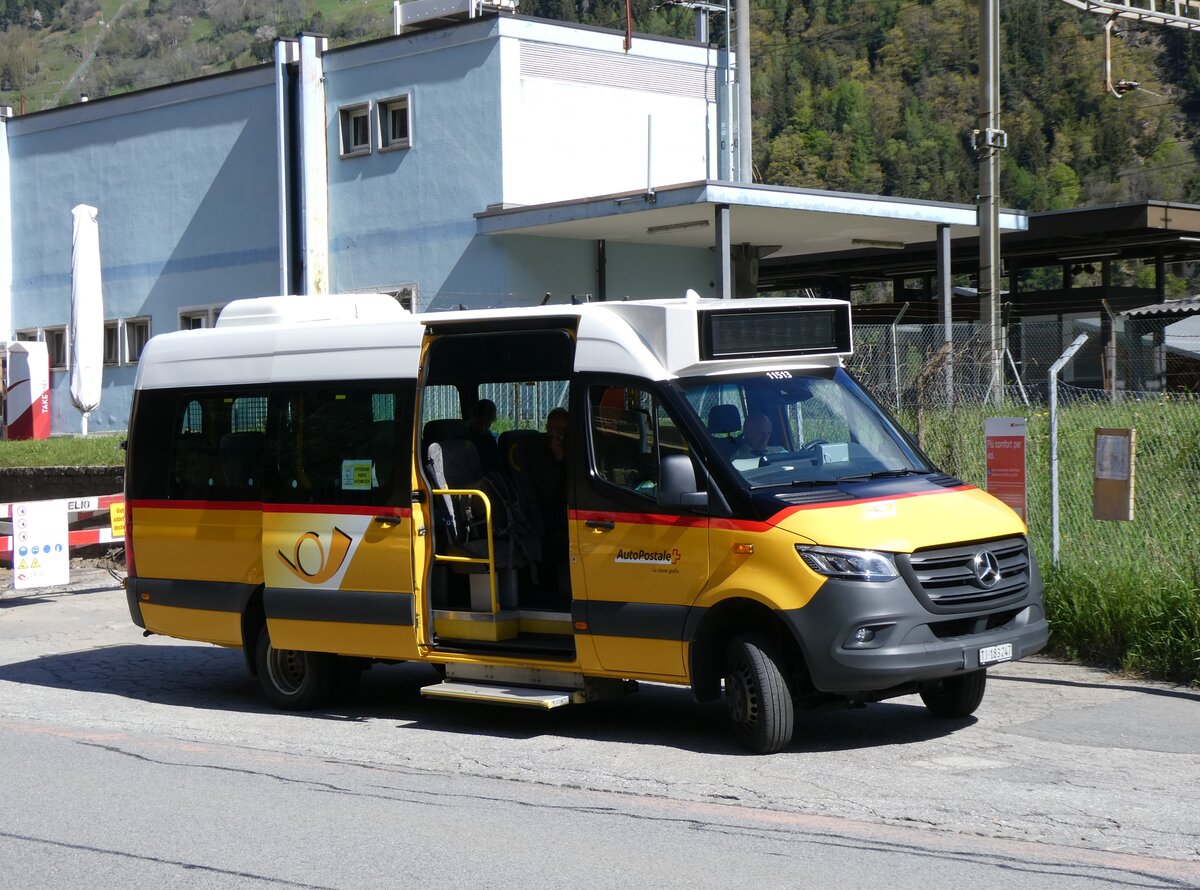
1054 369
896 355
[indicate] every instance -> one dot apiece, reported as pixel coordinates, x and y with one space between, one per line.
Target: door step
524 687
517 696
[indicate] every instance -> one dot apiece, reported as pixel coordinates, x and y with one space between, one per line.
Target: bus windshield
801 427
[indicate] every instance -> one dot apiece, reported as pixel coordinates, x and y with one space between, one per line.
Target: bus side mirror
677 483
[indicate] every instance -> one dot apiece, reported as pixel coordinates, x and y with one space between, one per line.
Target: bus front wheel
295 680
757 695
956 696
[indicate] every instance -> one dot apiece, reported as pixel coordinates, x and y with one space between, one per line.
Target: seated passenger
755 438
479 432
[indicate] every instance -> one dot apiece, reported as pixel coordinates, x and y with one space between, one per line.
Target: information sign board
1005 441
40 545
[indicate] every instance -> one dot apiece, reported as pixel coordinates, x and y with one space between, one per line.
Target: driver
756 437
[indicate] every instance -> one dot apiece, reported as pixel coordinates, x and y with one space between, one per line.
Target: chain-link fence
518 405
939 392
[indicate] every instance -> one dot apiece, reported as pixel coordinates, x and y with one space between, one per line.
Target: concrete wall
583 118
568 267
184 178
406 216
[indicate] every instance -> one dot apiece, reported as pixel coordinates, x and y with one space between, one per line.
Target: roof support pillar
601 270
724 253
945 293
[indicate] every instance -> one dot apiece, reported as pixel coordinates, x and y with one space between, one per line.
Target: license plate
995 654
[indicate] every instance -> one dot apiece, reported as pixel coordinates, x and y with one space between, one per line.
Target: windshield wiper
882 474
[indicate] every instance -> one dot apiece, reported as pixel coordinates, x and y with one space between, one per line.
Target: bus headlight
848 565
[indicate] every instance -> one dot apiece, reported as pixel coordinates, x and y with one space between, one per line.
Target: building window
27 335
395 123
194 318
56 347
355 130
112 343
137 332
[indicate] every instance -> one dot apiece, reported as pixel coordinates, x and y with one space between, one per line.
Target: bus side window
338 445
216 447
624 437
191 465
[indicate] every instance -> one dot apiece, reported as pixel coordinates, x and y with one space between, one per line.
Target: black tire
295 680
954 697
757 695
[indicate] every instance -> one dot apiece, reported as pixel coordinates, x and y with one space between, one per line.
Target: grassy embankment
1124 595
97 450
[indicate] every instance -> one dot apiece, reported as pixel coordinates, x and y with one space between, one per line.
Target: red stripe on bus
639 518
853 502
746 525
195 505
339 509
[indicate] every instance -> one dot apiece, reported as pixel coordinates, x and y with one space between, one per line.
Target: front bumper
911 643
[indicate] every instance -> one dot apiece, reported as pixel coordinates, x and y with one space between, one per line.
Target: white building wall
589 119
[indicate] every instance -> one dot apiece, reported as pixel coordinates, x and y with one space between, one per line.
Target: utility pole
989 140
745 143
727 163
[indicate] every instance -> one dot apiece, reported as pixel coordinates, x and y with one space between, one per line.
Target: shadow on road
214 678
8 600
1185 694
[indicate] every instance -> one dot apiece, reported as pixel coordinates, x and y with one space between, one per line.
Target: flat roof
797 222
1129 230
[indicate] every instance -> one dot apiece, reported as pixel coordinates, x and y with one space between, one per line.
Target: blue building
490 161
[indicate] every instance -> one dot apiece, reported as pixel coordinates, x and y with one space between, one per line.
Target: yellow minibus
551 504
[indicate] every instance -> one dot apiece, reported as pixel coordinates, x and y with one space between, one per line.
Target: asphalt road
131 762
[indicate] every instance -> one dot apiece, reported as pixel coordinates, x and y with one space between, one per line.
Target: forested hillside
874 96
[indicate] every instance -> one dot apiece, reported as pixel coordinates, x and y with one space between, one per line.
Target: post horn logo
327 564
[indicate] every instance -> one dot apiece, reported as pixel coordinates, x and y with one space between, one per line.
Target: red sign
1005 438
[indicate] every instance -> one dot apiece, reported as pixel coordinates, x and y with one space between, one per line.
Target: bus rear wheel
292 679
956 696
757 695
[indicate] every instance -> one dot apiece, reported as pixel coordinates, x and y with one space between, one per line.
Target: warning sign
116 519
40 545
358 475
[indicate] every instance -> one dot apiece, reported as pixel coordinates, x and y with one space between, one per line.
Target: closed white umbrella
87 313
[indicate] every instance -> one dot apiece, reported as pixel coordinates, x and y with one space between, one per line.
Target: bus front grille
970 576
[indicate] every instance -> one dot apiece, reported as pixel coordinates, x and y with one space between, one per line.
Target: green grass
1125 595
97 450
1142 623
